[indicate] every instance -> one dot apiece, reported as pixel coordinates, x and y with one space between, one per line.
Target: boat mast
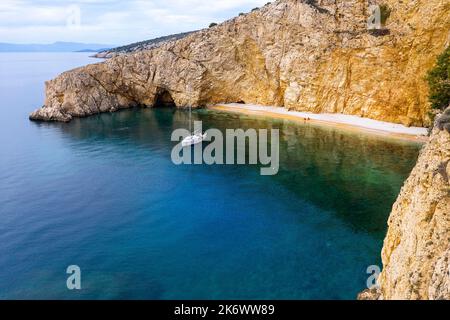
189 91
190 119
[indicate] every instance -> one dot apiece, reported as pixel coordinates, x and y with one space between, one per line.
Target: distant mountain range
54 47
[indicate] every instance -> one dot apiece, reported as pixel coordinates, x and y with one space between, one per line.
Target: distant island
55 47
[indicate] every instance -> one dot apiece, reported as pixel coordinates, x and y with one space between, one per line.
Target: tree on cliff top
439 81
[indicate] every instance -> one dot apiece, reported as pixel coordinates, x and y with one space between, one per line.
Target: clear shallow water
102 193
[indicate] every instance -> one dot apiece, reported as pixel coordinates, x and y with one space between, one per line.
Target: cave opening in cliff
164 100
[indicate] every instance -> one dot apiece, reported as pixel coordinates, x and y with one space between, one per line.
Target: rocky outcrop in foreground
416 252
308 55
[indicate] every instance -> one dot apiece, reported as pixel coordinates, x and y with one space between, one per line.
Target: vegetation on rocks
385 12
143 45
439 81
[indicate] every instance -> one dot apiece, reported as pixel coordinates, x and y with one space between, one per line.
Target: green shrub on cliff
439 81
385 13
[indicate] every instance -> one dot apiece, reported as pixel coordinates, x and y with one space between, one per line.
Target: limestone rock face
416 252
307 55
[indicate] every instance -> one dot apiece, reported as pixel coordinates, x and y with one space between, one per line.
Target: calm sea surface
103 194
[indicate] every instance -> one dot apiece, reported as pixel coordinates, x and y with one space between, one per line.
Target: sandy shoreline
347 122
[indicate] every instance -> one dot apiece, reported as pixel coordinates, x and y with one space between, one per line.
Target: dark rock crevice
163 99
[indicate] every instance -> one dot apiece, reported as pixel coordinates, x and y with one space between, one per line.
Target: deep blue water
102 193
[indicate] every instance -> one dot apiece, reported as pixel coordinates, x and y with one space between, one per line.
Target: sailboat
195 137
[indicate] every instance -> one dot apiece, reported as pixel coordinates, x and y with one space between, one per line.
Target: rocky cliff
140 46
309 55
416 252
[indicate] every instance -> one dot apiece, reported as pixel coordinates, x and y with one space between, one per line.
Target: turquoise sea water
103 194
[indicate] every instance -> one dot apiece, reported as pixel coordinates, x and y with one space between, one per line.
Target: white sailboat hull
193 139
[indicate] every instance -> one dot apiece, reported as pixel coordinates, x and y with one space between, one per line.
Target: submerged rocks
313 56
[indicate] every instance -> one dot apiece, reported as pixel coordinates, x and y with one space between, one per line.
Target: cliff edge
416 252
306 55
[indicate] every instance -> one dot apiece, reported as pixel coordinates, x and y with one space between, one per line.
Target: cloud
110 21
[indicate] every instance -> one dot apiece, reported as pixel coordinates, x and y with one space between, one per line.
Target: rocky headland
139 46
416 252
305 55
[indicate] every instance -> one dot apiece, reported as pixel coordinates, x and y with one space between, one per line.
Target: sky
110 21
